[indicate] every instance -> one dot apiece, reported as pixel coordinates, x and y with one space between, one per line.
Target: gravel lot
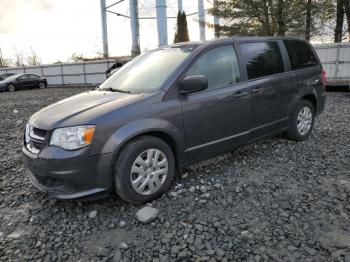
275 200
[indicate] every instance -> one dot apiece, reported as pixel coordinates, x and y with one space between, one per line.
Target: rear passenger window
300 54
219 65
262 59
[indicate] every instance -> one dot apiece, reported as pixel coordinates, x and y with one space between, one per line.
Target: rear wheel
144 170
42 85
302 121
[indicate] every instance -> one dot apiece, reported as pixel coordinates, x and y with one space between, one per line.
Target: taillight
324 78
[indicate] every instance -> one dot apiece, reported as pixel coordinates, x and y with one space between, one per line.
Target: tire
304 113
11 88
42 85
146 186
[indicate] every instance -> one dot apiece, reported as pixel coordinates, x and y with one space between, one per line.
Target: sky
55 29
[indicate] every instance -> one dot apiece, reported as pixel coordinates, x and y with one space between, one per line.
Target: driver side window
219 65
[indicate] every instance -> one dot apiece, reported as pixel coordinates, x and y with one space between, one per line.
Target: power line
118 2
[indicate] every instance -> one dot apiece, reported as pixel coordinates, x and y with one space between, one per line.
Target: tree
181 34
216 23
33 59
19 58
75 57
302 18
338 31
3 61
308 20
347 12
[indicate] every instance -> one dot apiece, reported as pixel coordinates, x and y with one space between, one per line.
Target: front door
216 119
22 82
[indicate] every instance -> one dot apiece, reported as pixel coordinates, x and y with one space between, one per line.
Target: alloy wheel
304 120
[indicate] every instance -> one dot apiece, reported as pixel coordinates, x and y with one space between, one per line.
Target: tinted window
262 59
219 65
300 54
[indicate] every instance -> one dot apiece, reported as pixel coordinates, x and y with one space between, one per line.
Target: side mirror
192 84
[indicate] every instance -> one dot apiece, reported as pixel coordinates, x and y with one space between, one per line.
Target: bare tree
19 58
75 57
33 59
1 59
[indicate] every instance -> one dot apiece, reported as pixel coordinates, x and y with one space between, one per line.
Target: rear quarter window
300 54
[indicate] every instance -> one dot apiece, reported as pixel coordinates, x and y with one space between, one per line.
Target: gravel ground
274 200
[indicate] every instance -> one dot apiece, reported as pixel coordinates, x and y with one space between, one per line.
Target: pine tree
181 34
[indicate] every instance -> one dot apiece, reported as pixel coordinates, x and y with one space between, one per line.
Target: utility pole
179 6
135 31
162 22
201 18
216 20
104 28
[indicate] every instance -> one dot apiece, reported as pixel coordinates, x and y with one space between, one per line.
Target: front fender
143 126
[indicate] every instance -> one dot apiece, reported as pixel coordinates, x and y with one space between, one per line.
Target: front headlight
71 138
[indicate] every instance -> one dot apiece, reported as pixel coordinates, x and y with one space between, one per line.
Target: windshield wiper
114 90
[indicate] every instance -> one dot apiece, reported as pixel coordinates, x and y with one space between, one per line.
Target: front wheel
144 170
11 88
302 121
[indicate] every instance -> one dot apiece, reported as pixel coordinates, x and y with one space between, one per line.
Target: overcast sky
56 29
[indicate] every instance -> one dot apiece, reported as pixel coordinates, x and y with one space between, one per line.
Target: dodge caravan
169 108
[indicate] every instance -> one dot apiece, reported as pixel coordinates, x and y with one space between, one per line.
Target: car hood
80 108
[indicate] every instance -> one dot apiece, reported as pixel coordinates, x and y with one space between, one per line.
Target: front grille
39 132
37 144
34 139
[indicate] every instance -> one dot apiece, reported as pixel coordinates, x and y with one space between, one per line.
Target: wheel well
166 138
161 135
312 99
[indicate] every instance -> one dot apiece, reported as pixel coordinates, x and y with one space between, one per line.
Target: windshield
148 72
10 78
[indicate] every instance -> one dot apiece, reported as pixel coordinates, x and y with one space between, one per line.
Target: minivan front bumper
69 174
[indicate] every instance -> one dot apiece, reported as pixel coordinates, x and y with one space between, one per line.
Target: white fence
335 59
82 73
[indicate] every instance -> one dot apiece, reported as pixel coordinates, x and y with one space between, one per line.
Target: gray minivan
170 108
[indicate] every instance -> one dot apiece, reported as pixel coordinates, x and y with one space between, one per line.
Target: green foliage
181 34
273 17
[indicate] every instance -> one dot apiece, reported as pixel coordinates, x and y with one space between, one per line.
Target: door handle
240 94
257 90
